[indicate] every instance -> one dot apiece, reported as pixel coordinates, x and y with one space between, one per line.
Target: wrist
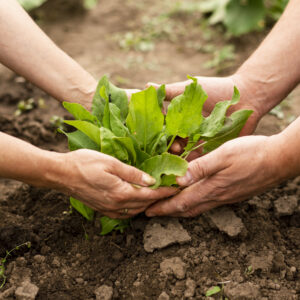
83 94
51 170
282 157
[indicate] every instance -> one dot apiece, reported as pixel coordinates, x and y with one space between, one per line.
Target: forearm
288 145
25 49
273 70
22 161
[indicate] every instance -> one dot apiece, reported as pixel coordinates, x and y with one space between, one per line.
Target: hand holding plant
140 135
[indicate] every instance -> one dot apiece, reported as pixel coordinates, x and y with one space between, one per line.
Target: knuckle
182 207
199 169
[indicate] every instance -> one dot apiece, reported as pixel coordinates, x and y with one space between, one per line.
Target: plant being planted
139 134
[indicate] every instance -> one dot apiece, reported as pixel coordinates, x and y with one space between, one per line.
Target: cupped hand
108 185
235 171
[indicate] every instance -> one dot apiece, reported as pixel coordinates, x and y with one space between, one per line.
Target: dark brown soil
68 258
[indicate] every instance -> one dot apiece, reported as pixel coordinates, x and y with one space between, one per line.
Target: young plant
140 135
4 260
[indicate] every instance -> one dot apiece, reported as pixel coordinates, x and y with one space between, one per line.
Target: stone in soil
27 291
162 232
286 205
226 220
243 291
174 266
104 292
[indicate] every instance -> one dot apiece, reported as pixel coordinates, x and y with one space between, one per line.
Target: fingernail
147 179
187 179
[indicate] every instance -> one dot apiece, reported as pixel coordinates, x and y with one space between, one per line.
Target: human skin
98 180
247 165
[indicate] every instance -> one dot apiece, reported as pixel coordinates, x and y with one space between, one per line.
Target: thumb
132 175
202 167
172 89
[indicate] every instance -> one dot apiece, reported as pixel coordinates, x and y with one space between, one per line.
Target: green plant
213 291
242 16
140 135
4 260
221 58
25 105
32 4
57 122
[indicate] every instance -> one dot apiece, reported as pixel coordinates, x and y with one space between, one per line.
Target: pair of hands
227 175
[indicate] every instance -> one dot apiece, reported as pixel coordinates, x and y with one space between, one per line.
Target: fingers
146 194
202 167
173 89
131 174
180 203
129 92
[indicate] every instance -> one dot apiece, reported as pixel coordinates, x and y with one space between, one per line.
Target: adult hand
235 171
106 184
218 89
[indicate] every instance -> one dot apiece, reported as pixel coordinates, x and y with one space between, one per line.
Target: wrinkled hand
106 184
218 89
235 171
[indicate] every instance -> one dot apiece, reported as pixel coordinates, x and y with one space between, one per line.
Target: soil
68 258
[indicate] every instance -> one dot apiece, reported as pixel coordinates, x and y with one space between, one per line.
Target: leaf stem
185 154
171 142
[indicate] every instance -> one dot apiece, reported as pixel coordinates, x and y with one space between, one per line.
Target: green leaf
184 112
115 124
145 119
79 112
168 180
127 143
244 16
31 4
161 95
212 291
111 146
91 130
231 130
108 225
213 124
86 211
216 7
89 4
116 95
165 164
78 140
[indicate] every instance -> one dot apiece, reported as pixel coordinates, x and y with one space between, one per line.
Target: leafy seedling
4 260
57 122
140 135
24 106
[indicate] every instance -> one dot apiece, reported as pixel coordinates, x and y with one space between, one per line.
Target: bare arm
27 50
265 78
100 181
234 172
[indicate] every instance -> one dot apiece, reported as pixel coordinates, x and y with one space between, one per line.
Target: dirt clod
27 291
286 205
104 292
226 220
162 232
174 266
163 296
244 291
190 288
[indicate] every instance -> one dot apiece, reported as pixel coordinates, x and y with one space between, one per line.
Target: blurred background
162 41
